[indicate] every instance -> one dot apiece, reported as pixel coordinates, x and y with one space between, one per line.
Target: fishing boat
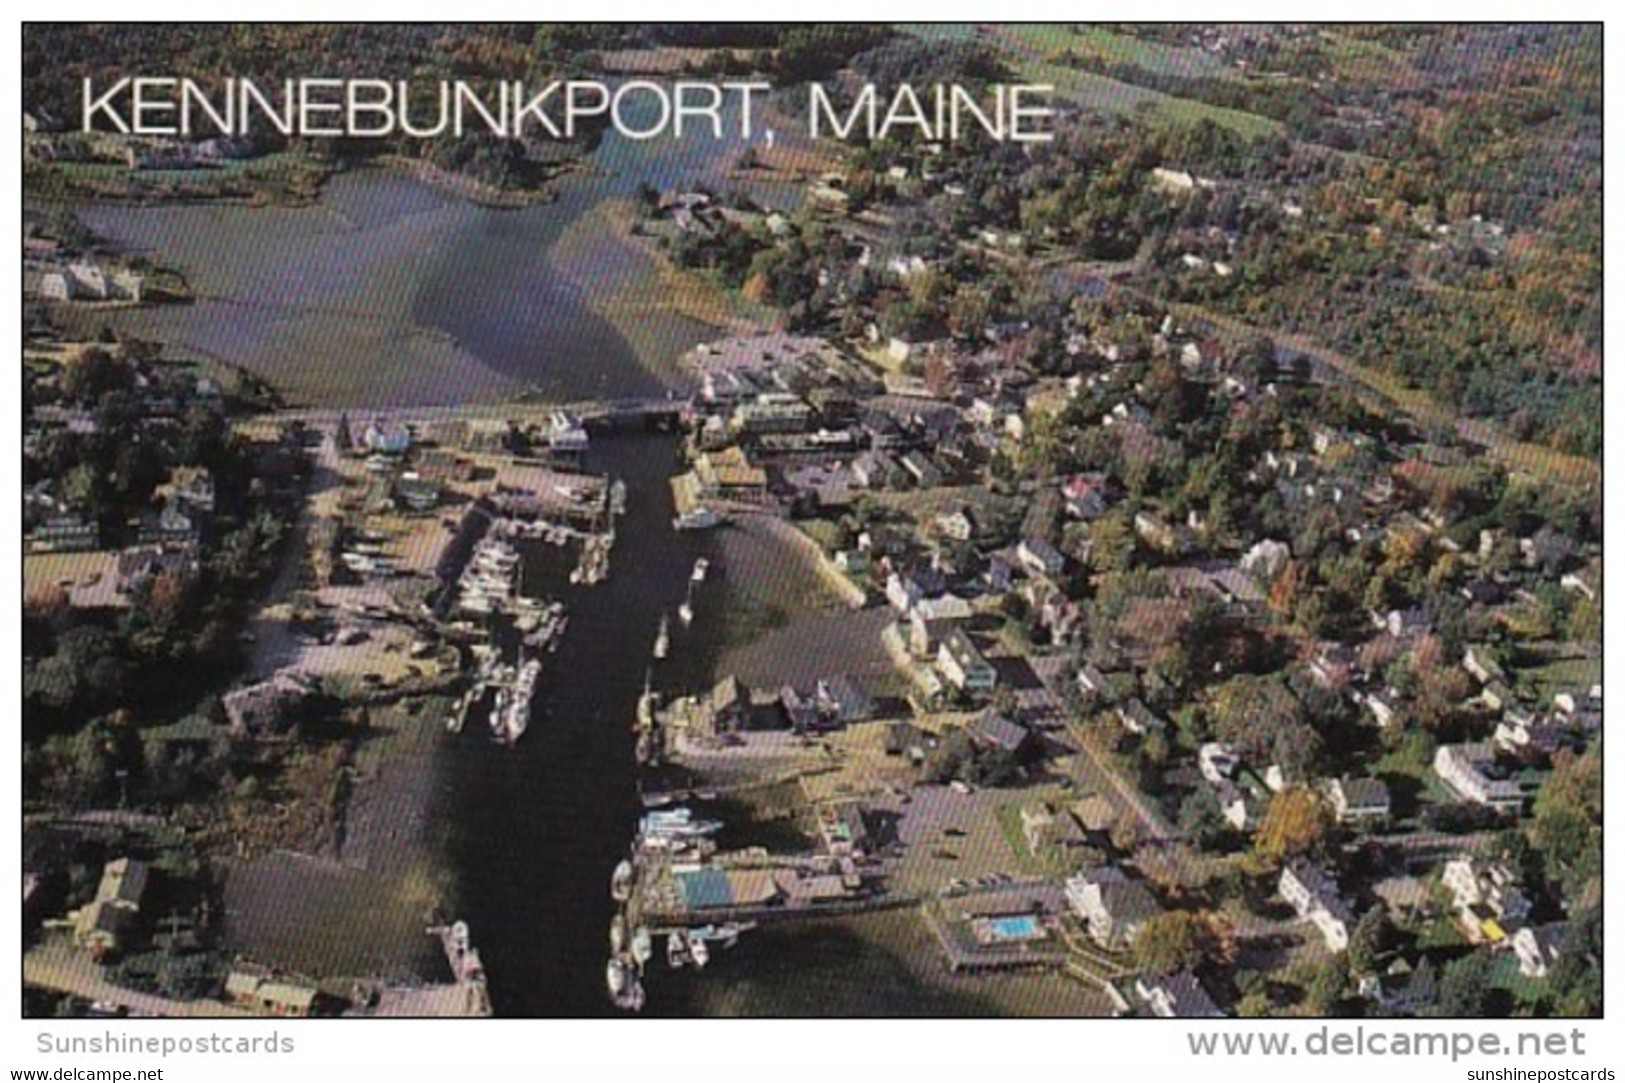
701 566
642 945
620 882
663 638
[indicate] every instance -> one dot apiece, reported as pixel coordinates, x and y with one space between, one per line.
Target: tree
1174 940
1369 940
1201 819
1464 989
1297 821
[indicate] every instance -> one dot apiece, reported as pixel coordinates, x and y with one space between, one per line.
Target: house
171 526
1313 894
383 437
1238 809
1217 761
1359 801
1046 829
1538 947
1402 988
843 700
69 533
1138 719
1039 557
1530 739
996 731
101 926
1470 771
1487 897
730 475
1113 907
842 830
1177 996
266 993
799 710
1086 496
86 281
956 526
924 472
266 710
139 566
875 469
962 664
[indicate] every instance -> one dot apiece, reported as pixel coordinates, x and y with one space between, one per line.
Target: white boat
698 952
620 882
701 566
617 933
677 953
642 945
646 704
698 519
663 638
685 613
726 934
619 977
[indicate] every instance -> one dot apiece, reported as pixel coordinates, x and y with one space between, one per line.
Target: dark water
540 826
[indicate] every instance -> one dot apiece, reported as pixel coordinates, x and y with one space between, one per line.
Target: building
1039 557
842 830
1359 801
86 281
65 534
1177 996
267 710
1113 907
843 700
1538 947
101 927
1470 771
996 731
1490 903
265 993
730 475
962 664
386 438
1313 894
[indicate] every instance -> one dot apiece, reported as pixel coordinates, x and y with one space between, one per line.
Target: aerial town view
1116 535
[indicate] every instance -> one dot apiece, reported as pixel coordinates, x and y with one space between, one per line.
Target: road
58 966
1157 827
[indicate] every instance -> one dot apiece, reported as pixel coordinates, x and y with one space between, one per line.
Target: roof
1364 792
998 730
123 881
703 888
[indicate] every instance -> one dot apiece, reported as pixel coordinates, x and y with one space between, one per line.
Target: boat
663 638
699 953
701 566
697 519
685 613
617 497
645 750
677 953
617 933
642 945
619 977
620 882
726 934
646 704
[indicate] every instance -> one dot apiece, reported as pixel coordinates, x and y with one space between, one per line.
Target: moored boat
620 882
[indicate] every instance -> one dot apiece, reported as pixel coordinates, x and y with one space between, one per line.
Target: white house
1359 800
1314 895
962 664
1467 770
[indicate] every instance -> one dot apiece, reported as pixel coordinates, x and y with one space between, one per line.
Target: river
388 292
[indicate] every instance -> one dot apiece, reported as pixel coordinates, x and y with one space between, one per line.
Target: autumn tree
1297 821
1174 940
